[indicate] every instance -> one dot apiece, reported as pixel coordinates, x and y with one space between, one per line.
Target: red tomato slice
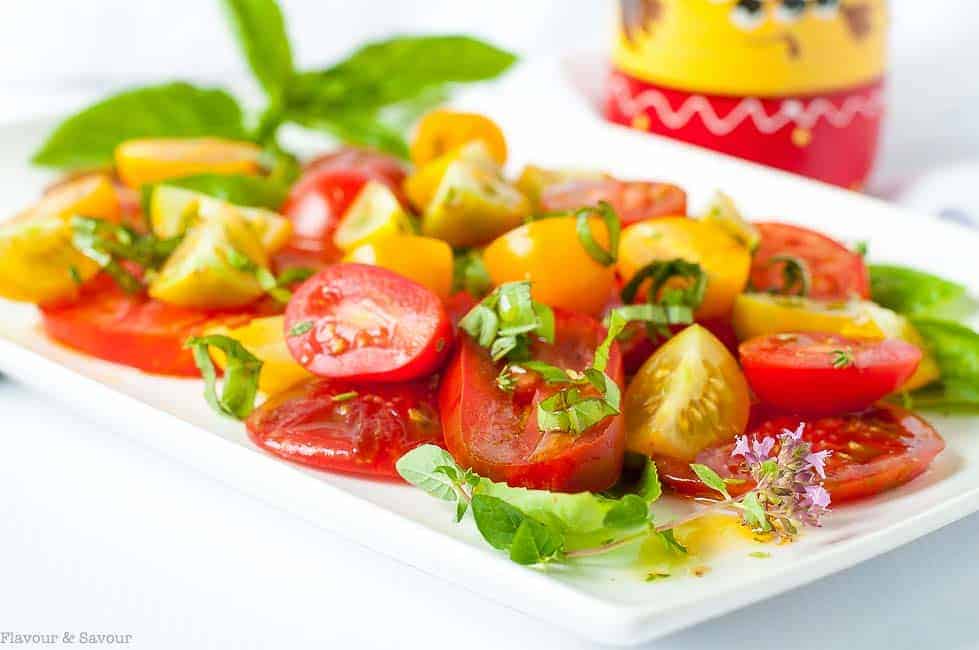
495 433
133 330
458 305
633 200
837 272
328 187
825 374
346 427
367 323
873 451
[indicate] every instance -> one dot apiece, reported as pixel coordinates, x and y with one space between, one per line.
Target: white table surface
99 534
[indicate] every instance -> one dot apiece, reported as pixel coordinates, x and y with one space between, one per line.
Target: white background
99 534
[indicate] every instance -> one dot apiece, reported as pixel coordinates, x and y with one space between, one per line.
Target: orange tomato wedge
441 131
149 161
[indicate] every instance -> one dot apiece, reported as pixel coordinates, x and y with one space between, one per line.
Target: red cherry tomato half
133 330
873 451
458 305
363 322
825 374
345 427
328 187
837 272
495 433
633 200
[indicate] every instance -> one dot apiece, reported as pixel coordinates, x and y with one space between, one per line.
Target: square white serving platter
547 122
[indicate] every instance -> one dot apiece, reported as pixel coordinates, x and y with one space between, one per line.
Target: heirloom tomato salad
550 350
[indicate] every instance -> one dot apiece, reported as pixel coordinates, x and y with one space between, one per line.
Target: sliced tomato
837 272
291 257
133 330
825 374
458 305
348 427
496 434
328 187
367 323
633 200
873 451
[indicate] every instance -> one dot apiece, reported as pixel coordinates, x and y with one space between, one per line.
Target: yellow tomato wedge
376 213
265 338
38 262
420 186
425 260
441 131
473 205
149 161
762 314
210 267
690 395
725 261
723 213
550 255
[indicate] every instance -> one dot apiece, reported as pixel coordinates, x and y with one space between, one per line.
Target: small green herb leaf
496 520
710 478
535 542
89 138
300 328
753 512
344 397
424 467
842 358
237 399
631 510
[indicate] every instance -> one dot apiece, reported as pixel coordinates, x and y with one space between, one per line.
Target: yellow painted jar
795 84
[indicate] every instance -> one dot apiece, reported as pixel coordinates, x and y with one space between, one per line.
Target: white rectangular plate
548 123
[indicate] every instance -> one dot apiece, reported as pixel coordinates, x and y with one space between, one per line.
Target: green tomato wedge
375 213
215 266
473 205
723 213
38 262
174 209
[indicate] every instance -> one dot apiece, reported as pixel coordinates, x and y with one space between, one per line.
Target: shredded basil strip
678 305
294 275
505 320
269 283
796 277
237 399
107 243
612 224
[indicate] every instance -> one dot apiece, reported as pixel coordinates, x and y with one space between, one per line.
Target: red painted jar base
832 137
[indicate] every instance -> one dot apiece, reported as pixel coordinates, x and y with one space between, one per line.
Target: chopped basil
612 225
237 398
300 328
796 277
108 244
677 305
505 321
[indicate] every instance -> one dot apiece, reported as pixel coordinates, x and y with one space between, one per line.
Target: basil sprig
240 386
366 99
507 319
612 225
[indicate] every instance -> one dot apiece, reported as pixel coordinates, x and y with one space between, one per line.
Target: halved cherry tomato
549 254
425 260
873 451
496 434
458 305
825 374
722 258
151 160
133 330
365 323
348 427
688 396
441 131
330 184
633 200
837 272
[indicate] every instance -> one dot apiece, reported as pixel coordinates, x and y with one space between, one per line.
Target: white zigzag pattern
803 114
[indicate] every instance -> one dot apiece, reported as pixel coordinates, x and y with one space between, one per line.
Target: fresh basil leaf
550 374
237 399
424 467
710 478
238 189
631 510
572 514
89 138
469 273
261 33
534 543
353 125
916 293
496 520
955 348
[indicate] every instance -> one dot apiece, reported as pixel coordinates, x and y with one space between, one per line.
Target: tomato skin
632 200
874 451
327 188
837 272
135 331
362 434
495 433
796 372
458 305
368 324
